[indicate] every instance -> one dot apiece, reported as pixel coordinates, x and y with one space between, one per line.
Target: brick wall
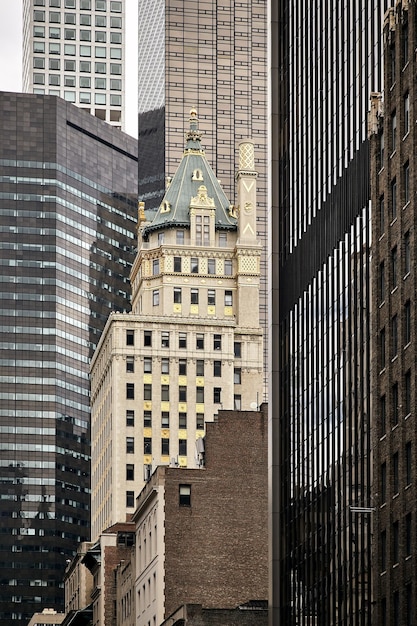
217 548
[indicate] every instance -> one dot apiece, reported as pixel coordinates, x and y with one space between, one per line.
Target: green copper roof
193 175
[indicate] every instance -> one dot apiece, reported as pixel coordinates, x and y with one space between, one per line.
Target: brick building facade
201 534
393 136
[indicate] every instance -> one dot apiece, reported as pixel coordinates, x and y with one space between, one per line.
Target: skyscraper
326 59
67 223
191 345
393 185
75 49
213 56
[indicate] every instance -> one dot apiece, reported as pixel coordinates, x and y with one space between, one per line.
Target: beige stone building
191 345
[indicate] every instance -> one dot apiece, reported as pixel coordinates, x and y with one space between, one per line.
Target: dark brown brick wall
393 574
217 548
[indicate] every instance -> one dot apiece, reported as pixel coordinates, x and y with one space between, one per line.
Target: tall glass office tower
68 190
325 61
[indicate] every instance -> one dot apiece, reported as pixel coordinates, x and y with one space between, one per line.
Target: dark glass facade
212 56
68 197
325 61
392 143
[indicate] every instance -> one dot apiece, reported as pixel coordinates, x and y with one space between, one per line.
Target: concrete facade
75 49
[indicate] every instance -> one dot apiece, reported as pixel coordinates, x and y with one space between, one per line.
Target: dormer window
202 230
165 207
197 175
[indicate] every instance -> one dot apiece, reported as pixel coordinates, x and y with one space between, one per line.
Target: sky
11 54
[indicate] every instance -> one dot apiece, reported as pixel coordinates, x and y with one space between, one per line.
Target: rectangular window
130 445
194 265
394 335
382 281
147 391
407 393
394 267
161 236
147 445
185 495
164 366
382 347
406 176
182 367
182 340
165 393
165 419
130 391
222 240
237 349
130 418
177 264
182 420
407 322
199 341
85 66
165 339
395 405
237 376
211 266
199 367
228 299
177 295
182 393
199 395
155 297
147 419
147 338
179 237
130 364
85 20
228 267
395 475
164 447
211 297
155 266
217 342
407 253
408 463
147 365
194 296
383 416
130 471
394 131
406 113
381 215
217 395
199 419
182 447
130 499
217 368
393 199
237 402
405 40
383 483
